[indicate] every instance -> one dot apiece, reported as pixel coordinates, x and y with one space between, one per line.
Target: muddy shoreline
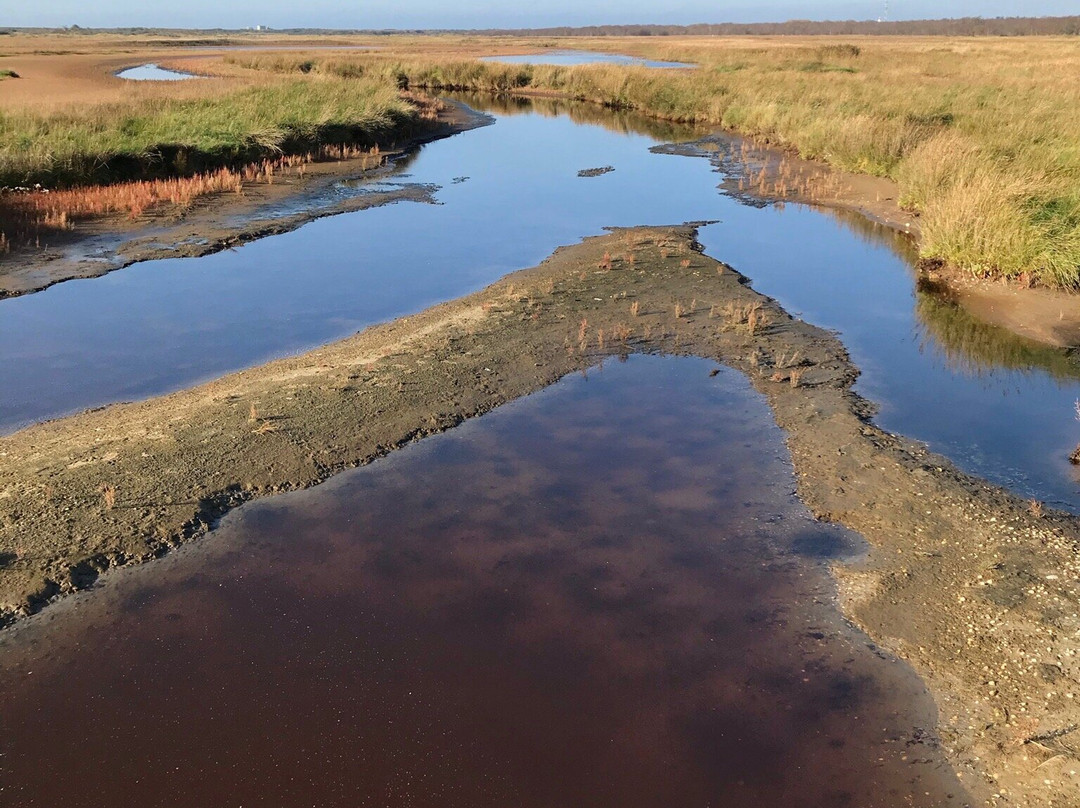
965 581
98 246
763 173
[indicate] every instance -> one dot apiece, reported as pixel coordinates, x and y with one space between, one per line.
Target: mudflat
970 584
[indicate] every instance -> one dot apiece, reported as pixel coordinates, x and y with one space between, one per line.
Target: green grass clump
154 137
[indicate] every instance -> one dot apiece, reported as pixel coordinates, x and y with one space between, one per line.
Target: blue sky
488 13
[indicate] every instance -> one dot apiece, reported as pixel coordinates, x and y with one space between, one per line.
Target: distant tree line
964 26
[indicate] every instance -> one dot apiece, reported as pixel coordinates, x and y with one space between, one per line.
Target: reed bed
59 208
29 210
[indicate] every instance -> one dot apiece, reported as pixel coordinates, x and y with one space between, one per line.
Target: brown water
602 595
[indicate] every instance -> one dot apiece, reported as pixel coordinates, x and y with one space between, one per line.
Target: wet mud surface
603 594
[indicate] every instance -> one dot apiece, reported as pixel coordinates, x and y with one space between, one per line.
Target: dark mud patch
596 172
760 174
204 241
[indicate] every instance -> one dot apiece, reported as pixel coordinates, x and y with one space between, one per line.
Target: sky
489 13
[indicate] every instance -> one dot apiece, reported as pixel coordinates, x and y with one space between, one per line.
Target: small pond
151 72
577 57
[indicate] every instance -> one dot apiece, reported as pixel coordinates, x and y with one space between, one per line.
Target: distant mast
885 16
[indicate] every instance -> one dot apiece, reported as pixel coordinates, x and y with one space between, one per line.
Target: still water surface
605 594
995 404
578 57
151 72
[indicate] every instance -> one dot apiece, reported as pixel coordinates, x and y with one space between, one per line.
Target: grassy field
162 137
982 135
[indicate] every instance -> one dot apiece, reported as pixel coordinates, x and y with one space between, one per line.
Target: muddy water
604 594
510 193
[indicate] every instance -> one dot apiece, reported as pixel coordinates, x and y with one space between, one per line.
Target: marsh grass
159 137
28 212
750 316
756 318
77 163
982 134
264 428
58 209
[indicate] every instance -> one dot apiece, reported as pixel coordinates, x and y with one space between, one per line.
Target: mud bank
98 246
760 174
757 173
1049 316
971 585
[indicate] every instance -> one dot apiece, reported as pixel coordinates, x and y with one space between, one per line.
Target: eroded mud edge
964 581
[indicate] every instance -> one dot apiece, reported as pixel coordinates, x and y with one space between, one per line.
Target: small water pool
576 57
151 72
598 595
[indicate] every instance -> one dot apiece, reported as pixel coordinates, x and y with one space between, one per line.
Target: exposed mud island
972 585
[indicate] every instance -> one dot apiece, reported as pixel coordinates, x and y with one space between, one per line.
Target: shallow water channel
578 57
509 194
603 594
151 72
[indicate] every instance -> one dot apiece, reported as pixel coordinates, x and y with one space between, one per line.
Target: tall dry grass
58 208
982 135
28 211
